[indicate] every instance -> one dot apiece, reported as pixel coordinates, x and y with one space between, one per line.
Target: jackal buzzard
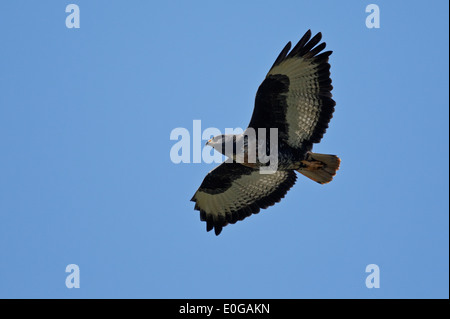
295 98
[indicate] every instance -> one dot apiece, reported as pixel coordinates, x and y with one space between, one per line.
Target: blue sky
86 177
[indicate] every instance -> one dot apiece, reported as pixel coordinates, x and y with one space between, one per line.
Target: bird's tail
320 167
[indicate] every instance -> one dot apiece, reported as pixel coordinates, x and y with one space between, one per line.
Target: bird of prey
295 99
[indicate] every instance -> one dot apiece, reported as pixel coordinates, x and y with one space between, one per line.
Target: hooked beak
207 143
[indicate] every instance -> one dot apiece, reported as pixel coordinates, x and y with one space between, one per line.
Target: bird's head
218 143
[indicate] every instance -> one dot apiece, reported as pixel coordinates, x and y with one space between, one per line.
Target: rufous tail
320 167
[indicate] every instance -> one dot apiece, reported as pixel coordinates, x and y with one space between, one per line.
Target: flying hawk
295 99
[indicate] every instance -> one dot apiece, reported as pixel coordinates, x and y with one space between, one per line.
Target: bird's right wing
232 191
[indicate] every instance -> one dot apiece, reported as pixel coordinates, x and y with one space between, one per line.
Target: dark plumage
295 98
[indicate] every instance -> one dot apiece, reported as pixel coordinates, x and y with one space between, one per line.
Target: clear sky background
86 177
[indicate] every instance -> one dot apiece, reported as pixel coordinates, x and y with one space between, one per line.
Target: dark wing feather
282 54
295 96
232 192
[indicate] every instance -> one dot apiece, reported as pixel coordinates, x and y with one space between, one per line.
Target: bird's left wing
232 192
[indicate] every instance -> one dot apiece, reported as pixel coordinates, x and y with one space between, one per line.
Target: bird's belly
285 160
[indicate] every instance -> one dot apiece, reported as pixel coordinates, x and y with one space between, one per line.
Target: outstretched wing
232 192
295 96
